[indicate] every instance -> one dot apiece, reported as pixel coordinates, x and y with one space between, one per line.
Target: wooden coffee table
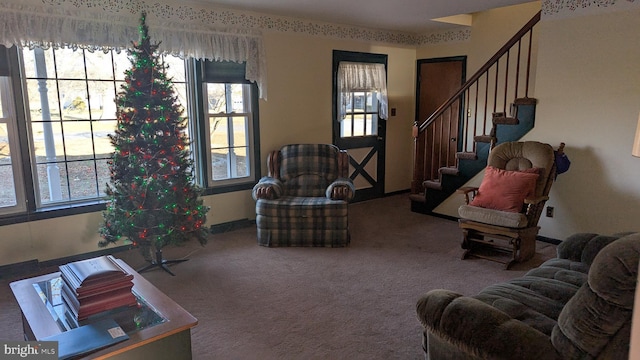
158 328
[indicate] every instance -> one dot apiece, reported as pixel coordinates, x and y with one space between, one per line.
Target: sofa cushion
573 277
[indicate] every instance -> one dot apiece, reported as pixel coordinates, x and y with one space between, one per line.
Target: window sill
53 212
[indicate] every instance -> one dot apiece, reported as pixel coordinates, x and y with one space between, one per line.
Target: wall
588 87
490 30
298 110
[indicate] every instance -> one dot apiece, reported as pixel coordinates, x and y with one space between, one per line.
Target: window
230 113
360 116
69 112
70 104
362 97
11 189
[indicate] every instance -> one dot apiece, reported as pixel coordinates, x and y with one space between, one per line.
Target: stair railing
483 96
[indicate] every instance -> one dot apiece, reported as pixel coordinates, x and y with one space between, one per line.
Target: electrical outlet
549 211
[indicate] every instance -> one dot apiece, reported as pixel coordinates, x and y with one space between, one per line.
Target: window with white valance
45 26
359 77
67 69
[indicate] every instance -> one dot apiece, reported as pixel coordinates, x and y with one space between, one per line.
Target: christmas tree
153 201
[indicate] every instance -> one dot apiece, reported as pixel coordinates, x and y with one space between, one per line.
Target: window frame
194 108
201 142
9 117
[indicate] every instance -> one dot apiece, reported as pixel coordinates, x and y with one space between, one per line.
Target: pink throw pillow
505 190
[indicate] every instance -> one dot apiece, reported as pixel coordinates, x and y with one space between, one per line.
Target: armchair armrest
267 188
341 189
466 190
480 329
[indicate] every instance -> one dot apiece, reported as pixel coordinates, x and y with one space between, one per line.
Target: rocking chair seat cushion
494 217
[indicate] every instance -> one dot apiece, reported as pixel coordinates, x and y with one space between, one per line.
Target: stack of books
96 285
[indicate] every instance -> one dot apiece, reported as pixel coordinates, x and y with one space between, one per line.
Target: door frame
377 143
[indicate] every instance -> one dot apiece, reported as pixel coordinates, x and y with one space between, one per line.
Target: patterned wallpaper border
571 8
257 21
192 13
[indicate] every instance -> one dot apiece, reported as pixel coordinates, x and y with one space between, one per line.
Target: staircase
492 107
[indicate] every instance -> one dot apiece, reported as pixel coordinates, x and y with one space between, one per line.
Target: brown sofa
576 306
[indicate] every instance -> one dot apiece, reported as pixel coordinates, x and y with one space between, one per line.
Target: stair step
418 198
501 119
484 138
432 184
450 170
467 156
525 101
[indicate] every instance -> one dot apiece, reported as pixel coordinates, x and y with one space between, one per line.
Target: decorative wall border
571 8
227 18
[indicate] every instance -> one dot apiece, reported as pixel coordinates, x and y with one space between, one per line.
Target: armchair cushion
505 190
308 170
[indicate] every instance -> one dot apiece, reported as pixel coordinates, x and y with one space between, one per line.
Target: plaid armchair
303 199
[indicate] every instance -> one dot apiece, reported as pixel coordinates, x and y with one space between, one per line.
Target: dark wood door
439 79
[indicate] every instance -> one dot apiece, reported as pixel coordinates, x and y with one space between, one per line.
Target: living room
584 54
586 81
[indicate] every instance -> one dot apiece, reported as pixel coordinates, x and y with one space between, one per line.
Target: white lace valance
354 76
23 25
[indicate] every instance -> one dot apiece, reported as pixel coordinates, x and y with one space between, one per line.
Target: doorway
358 129
439 79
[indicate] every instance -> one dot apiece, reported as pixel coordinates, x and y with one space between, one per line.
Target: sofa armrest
267 188
480 329
341 189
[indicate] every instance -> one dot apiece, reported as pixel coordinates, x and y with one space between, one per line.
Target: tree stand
161 263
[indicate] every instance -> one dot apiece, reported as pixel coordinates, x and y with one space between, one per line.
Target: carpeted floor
356 302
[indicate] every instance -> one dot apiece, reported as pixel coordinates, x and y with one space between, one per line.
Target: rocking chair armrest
267 188
537 200
465 190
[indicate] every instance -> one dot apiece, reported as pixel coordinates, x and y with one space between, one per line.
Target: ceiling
412 16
